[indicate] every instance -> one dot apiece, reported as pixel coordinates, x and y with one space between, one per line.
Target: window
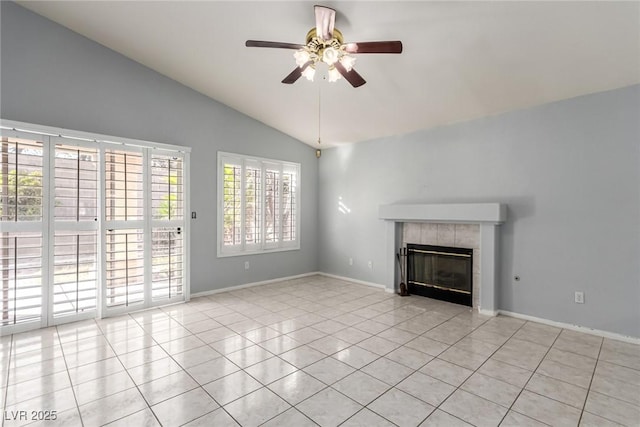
258 205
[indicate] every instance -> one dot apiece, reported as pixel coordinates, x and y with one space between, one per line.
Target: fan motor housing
312 34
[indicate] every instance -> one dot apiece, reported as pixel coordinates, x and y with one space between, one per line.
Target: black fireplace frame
435 291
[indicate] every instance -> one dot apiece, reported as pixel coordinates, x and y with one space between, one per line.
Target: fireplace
440 272
488 216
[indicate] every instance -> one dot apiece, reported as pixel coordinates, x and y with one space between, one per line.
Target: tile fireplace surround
448 235
403 221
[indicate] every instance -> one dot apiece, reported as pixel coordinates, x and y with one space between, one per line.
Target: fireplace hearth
440 272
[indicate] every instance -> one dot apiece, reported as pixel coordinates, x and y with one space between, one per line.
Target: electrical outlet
350 261
370 264
579 297
193 215
246 265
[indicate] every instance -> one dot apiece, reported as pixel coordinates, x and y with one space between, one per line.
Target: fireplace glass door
440 272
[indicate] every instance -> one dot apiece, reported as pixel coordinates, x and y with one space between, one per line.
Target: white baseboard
583 329
492 313
252 284
349 279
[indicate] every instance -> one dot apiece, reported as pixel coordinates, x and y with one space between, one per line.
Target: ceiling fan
324 43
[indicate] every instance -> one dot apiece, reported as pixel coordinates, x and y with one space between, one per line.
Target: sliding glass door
144 221
88 229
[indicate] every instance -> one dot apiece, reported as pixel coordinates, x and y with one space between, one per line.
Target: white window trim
263 247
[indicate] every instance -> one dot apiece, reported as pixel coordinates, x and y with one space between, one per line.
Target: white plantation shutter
124 185
75 277
125 235
75 240
253 204
76 183
89 226
167 236
232 202
167 187
167 263
125 267
22 242
272 204
21 277
289 204
21 172
258 205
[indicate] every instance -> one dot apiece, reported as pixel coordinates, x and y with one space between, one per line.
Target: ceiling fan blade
325 20
374 47
295 74
352 76
279 45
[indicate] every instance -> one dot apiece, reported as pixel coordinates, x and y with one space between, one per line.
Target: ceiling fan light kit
325 44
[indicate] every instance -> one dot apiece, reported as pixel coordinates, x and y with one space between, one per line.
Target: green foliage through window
28 189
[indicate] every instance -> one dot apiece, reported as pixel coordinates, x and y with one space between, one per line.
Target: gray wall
570 174
52 76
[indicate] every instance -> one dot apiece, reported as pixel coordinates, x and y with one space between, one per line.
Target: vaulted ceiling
461 60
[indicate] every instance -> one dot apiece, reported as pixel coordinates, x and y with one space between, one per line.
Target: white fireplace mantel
488 215
459 212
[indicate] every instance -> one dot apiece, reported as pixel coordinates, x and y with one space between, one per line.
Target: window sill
256 252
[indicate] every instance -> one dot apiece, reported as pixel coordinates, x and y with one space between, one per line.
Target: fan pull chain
318 150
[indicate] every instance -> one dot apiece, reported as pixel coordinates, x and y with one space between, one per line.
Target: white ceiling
461 60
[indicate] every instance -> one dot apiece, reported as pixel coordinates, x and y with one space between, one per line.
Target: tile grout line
249 299
524 387
117 356
64 358
266 386
302 369
201 386
6 387
593 374
414 370
239 367
437 407
327 356
459 387
549 397
571 384
170 356
379 357
391 326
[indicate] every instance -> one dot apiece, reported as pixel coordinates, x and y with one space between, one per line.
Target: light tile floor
317 351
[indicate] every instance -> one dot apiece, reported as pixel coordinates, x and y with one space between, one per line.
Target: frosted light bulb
309 72
302 57
334 75
330 56
348 62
